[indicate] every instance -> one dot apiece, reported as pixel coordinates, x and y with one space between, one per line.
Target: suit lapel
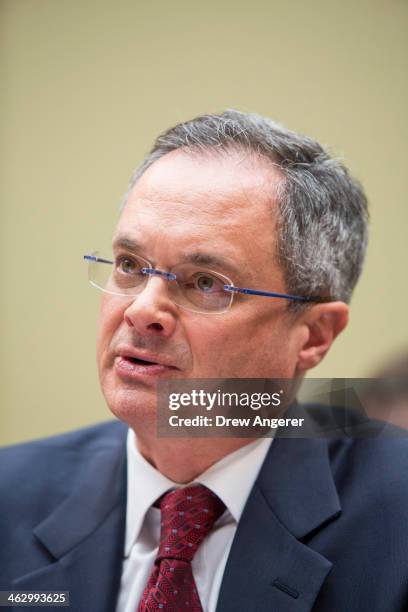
269 568
84 536
80 544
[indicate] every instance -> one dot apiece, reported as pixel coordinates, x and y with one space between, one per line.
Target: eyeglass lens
195 288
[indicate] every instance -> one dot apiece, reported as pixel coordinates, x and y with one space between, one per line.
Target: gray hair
322 226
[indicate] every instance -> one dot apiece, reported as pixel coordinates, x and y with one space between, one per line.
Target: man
222 202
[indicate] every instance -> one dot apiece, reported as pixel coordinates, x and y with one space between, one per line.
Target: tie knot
187 516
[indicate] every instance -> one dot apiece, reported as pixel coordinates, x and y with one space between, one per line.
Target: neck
183 459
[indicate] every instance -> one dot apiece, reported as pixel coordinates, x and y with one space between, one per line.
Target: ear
323 323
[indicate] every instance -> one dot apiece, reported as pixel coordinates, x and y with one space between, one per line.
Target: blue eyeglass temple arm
97 259
285 296
230 288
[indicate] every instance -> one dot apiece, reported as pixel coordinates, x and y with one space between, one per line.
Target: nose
152 312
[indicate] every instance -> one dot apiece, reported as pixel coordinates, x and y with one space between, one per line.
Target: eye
127 265
206 283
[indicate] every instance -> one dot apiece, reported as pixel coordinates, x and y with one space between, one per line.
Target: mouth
135 368
140 361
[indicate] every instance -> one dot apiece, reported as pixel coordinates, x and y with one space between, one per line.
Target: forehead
221 202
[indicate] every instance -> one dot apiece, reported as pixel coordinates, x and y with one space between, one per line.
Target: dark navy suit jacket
324 529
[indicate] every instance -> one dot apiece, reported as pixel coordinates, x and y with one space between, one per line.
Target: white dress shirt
231 479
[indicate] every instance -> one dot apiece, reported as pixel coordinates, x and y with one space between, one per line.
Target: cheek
245 347
221 344
110 318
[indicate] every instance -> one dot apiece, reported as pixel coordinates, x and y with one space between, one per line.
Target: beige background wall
87 84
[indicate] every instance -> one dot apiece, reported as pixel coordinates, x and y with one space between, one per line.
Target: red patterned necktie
187 516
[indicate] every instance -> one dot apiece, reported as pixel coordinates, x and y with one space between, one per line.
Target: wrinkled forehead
230 186
189 204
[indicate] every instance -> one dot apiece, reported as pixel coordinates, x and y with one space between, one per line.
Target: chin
133 407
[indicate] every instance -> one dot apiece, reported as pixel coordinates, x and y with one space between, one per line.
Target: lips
134 365
144 357
140 361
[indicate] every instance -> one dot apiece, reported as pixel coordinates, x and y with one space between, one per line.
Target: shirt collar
233 476
145 484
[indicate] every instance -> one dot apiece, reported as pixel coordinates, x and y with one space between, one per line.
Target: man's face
206 206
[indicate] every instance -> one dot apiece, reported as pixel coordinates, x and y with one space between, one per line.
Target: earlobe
324 323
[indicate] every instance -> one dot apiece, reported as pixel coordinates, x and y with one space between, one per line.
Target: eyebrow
213 261
198 258
126 243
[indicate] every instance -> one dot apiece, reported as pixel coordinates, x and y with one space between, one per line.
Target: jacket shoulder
370 477
36 474
93 437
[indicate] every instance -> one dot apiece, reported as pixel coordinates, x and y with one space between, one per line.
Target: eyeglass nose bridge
155 272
